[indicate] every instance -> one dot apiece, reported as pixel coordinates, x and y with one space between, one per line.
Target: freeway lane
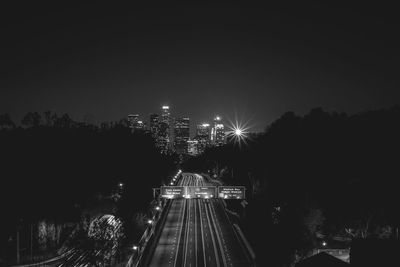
198 233
166 249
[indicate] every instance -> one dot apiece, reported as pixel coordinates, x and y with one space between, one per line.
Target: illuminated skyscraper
132 119
135 124
182 135
153 125
192 147
203 136
163 140
218 132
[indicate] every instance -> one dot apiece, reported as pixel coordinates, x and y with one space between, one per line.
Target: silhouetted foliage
52 165
6 122
325 171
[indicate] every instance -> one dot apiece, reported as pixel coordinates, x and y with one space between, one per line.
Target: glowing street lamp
238 132
150 221
135 247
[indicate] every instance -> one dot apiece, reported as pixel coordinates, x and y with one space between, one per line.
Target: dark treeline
319 175
52 165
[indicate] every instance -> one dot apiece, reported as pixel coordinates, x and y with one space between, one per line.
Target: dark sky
109 60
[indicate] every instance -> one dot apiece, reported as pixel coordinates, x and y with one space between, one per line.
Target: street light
238 132
135 247
150 221
157 208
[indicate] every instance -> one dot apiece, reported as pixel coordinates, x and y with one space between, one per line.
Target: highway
197 232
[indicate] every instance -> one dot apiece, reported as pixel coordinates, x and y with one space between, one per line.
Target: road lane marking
212 236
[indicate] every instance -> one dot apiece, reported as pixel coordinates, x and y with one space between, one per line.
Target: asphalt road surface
197 232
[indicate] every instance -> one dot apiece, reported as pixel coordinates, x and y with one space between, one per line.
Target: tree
314 220
106 234
6 122
31 119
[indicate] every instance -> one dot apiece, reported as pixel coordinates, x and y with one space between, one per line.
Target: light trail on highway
197 232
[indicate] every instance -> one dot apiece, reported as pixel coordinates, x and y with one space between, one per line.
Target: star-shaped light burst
238 132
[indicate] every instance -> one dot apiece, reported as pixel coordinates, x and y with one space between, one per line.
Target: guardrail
246 244
46 262
136 257
239 234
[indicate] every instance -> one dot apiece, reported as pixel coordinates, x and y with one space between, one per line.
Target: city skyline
179 134
147 118
199 134
200 58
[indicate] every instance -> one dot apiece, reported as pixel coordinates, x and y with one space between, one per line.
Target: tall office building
133 119
192 147
218 132
203 137
163 140
135 124
153 125
182 135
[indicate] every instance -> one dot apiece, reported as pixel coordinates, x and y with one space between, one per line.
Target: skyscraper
135 124
182 135
218 132
153 125
133 119
193 147
203 136
164 130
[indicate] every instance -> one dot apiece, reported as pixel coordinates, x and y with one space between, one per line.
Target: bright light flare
239 128
238 132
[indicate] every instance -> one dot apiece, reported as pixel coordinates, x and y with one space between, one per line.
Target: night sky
108 60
